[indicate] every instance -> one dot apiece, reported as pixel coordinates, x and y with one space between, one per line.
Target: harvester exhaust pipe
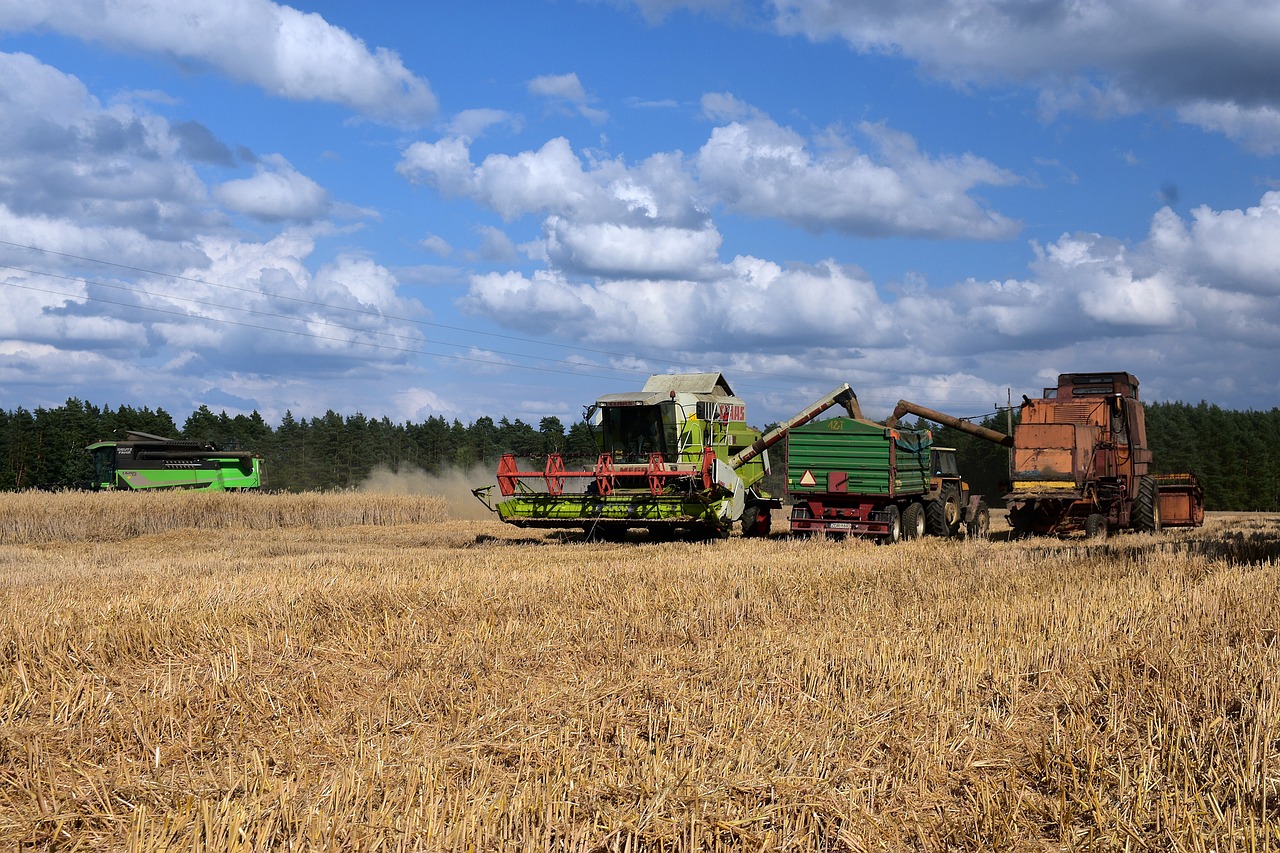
905 406
843 396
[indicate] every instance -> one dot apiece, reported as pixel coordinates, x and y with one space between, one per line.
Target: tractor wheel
1095 526
943 515
913 522
980 525
895 527
1146 507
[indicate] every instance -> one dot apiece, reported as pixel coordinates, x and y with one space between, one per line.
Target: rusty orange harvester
1081 462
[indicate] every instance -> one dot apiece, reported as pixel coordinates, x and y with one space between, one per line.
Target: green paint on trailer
857 457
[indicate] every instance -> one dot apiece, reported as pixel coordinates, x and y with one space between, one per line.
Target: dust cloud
452 484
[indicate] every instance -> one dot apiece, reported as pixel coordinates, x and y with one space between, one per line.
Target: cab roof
712 384
711 387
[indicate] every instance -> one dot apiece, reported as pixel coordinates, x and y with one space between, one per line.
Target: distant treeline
1236 454
45 448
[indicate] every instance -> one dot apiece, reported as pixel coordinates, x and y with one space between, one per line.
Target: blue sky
510 208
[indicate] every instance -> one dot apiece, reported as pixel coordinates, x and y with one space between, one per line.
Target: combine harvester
677 457
1081 462
145 462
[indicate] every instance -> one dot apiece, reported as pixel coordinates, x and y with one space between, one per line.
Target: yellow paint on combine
1033 485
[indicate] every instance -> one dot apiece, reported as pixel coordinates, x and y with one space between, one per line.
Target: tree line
45 448
1236 454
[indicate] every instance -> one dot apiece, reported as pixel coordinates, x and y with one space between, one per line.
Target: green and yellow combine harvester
145 462
676 457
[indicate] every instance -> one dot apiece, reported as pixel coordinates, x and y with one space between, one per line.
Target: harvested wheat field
362 672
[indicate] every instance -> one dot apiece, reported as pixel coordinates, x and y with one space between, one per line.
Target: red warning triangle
808 479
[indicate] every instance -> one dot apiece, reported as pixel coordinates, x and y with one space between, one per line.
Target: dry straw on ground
350 673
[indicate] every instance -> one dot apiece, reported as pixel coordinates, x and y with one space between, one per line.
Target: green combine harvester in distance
675 458
144 462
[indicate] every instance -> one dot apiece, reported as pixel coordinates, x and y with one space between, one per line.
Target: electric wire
578 368
368 312
286 317
299 333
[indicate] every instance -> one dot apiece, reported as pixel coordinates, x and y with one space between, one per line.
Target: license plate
840 525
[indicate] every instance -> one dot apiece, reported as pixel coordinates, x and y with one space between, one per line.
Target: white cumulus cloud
763 169
654 219
284 51
567 91
277 192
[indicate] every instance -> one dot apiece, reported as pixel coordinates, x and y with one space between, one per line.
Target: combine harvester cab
677 457
1081 462
145 462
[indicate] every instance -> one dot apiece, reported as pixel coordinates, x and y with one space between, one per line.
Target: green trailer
143 462
853 477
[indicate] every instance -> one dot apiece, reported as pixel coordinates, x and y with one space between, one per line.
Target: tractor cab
944 462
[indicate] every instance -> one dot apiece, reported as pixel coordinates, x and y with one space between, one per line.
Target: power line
577 368
310 334
363 311
260 313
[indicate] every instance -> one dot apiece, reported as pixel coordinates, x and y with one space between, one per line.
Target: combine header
676 456
146 462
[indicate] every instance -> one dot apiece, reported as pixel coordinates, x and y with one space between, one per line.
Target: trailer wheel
980 525
1095 527
913 522
895 526
1146 506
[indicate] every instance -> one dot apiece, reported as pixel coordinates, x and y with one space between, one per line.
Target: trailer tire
913 522
895 526
980 525
1095 526
1146 506
943 514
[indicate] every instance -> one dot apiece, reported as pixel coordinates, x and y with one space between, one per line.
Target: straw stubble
361 672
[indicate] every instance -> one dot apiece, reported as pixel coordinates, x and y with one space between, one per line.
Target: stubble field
364 672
